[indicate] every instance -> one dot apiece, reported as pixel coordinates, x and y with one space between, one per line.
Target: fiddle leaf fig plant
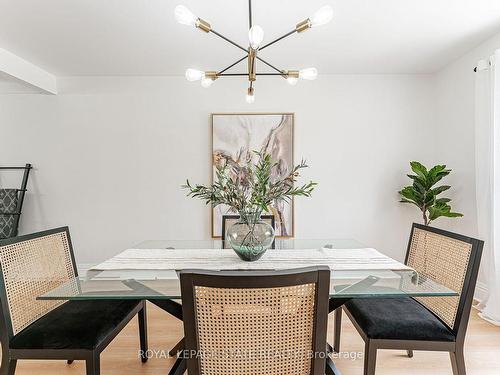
424 194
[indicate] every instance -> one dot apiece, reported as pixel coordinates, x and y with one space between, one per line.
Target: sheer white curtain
488 179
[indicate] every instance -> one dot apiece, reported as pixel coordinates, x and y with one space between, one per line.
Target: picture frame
235 137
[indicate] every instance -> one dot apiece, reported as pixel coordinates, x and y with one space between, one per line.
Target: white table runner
226 259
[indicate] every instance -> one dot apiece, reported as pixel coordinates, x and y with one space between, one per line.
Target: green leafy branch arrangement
253 191
423 194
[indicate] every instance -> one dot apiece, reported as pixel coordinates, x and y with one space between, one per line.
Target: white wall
455 133
110 155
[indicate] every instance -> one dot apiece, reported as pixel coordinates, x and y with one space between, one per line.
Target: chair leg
93 364
8 366
179 347
337 328
143 332
370 358
409 353
458 361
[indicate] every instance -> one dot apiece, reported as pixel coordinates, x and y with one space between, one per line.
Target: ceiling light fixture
255 38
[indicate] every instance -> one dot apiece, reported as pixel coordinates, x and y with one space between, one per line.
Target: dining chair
34 264
422 323
256 322
174 308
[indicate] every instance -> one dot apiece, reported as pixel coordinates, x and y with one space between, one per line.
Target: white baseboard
481 291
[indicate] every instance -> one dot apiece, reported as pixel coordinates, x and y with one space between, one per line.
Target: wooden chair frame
91 357
459 329
258 279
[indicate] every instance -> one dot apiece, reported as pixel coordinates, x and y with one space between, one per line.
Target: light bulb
184 16
206 82
292 80
250 96
322 16
309 73
255 36
194 74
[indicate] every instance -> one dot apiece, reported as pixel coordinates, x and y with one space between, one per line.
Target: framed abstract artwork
235 137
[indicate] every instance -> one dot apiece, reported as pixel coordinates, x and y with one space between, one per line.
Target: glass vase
250 236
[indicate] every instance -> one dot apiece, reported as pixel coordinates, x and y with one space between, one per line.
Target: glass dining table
162 283
154 281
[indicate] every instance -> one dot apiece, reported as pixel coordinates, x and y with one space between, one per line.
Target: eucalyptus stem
255 187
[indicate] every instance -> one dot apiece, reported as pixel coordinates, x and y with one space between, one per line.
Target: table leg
333 305
172 307
331 369
179 347
175 309
179 367
329 349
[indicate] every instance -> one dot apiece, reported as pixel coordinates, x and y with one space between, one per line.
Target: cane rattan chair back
256 322
448 259
30 266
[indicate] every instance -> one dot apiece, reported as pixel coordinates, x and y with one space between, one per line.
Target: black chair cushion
397 319
74 325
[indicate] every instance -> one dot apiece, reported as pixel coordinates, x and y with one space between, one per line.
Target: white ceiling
141 37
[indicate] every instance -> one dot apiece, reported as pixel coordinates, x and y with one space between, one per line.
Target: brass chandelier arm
280 72
251 54
228 40
278 39
252 50
272 74
233 64
203 25
299 28
246 74
271 66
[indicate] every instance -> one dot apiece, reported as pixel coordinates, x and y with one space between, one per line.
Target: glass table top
280 243
164 283
148 284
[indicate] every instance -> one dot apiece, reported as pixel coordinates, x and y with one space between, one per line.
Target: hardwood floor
482 352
